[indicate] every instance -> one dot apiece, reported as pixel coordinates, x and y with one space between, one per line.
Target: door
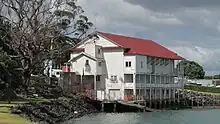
114 94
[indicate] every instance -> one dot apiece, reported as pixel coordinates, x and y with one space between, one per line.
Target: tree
37 31
7 63
192 69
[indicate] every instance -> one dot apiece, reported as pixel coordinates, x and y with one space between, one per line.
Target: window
87 62
99 51
98 78
149 60
141 64
113 79
162 62
166 62
128 64
157 61
100 63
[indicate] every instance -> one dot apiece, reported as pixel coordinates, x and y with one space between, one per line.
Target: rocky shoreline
193 98
64 107
58 110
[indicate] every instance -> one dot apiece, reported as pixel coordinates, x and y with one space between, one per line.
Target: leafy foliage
39 29
72 21
7 64
192 69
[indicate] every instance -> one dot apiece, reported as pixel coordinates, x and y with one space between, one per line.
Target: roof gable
102 41
81 55
141 46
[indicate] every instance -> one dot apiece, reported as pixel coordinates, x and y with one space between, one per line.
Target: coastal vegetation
33 35
192 69
7 118
203 89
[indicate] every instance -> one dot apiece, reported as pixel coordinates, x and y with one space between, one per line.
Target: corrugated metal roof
141 46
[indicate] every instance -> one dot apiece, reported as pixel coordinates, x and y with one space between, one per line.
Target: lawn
7 118
203 89
217 94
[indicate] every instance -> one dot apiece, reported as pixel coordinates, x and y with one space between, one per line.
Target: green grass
203 89
218 94
7 118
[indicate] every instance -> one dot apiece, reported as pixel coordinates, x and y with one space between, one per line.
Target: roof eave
175 58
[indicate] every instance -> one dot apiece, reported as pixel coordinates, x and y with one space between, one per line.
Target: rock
56 111
200 98
14 110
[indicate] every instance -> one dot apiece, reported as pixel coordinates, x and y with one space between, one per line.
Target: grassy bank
203 89
7 118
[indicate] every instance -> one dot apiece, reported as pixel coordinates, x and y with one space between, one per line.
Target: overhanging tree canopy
38 30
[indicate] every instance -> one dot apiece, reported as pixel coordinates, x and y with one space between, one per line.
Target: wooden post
165 95
174 96
155 97
150 93
160 92
145 86
115 106
9 90
103 106
178 95
134 89
81 83
95 87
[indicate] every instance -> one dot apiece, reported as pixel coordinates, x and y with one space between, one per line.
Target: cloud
190 28
207 57
174 4
120 11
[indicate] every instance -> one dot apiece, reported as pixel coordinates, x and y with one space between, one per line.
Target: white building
119 66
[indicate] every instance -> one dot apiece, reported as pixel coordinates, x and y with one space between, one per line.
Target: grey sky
189 27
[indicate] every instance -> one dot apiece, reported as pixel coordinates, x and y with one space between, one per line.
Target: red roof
141 46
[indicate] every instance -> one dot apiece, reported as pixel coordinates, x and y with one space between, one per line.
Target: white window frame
113 78
142 64
128 64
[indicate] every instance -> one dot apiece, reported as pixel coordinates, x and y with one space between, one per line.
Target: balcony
129 85
159 85
128 79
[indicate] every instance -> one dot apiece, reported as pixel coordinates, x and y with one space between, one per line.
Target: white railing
129 85
159 85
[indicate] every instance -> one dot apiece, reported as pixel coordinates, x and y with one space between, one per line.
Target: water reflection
169 117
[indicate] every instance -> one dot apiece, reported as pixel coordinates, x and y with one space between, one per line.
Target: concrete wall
132 69
115 67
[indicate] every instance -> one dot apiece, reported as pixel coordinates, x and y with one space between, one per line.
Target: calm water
170 117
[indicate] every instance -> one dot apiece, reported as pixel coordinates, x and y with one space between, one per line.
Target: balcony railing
159 85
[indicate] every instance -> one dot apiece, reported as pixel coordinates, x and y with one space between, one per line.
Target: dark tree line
192 69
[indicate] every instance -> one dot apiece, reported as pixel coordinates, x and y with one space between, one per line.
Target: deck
132 104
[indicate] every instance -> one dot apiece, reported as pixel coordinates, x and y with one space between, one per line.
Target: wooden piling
103 107
115 107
